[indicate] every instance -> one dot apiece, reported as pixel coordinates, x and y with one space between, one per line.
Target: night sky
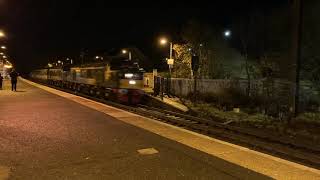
41 29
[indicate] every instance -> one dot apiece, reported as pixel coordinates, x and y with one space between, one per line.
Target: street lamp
124 51
164 41
4 57
227 33
3 47
2 34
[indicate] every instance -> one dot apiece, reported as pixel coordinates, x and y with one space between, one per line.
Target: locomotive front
130 86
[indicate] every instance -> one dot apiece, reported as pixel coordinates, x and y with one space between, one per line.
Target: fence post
195 88
168 87
161 87
156 86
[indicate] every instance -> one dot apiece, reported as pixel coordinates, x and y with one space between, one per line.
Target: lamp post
170 61
164 41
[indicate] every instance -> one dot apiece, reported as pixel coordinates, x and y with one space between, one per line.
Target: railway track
240 136
253 140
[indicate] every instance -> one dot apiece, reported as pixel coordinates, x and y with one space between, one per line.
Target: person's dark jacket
14 76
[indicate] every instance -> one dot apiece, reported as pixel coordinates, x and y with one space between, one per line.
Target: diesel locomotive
120 81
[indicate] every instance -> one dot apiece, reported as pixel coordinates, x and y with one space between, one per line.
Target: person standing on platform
1 79
14 80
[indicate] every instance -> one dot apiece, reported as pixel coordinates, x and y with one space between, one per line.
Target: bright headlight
128 75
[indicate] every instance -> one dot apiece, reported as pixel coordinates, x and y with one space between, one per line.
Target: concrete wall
280 89
182 87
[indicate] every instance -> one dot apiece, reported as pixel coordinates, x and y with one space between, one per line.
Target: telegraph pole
297 18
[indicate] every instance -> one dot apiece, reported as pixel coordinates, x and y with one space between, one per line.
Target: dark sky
40 29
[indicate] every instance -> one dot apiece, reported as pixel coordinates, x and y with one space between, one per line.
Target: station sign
170 61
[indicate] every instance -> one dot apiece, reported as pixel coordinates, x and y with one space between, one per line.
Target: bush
226 100
313 105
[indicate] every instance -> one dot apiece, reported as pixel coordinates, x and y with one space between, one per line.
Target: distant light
59 61
128 75
227 33
124 51
2 34
132 82
189 49
4 57
1 53
8 66
97 57
163 41
201 45
3 47
50 65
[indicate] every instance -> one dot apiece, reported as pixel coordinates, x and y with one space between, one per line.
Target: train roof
114 64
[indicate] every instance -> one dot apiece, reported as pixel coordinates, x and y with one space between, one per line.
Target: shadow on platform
20 91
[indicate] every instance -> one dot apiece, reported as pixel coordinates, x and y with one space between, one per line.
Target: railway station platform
49 134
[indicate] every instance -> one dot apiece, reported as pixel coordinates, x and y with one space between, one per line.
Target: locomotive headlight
128 75
132 82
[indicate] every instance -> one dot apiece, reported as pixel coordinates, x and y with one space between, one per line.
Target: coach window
89 73
74 75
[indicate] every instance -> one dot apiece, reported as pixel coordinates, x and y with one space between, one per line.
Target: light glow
163 41
227 33
2 34
132 82
128 75
8 66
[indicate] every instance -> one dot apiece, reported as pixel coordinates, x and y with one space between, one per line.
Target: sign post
170 62
195 67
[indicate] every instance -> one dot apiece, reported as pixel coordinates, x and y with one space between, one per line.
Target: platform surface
50 134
